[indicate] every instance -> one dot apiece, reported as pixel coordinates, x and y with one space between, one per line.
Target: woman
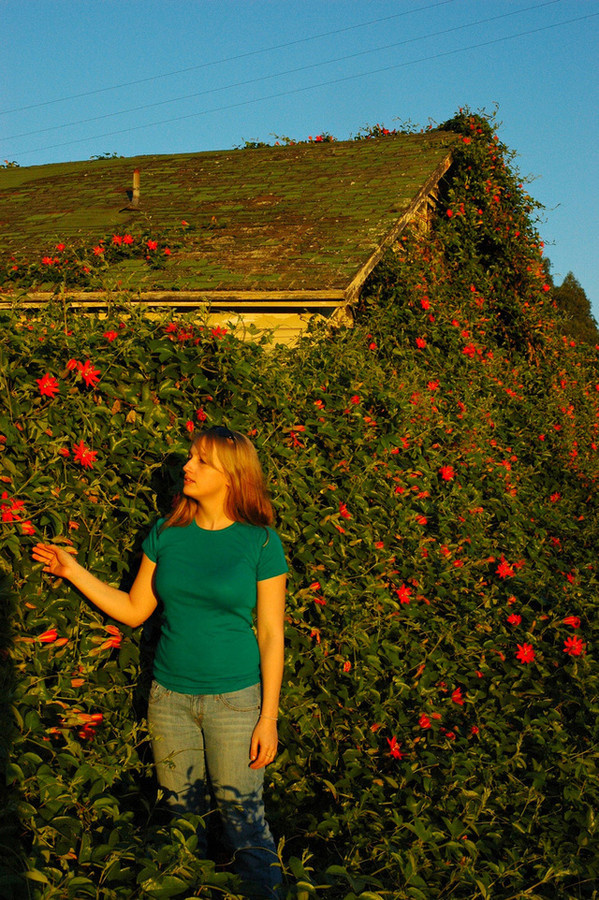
214 699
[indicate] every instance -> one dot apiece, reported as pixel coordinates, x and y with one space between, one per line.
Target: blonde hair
247 497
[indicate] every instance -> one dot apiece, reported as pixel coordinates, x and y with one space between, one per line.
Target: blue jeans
201 743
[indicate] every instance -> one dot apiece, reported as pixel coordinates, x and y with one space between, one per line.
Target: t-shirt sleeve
150 544
272 557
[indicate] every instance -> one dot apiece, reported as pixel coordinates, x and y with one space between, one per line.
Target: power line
229 59
314 86
250 81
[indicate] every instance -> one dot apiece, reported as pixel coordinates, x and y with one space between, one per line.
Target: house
271 234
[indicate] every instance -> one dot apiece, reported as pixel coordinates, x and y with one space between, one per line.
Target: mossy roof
295 219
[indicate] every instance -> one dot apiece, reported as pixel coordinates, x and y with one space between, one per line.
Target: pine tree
572 300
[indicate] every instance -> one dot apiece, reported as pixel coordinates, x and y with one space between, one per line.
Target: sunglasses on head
222 431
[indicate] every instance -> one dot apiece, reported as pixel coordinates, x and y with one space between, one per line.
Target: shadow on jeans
256 862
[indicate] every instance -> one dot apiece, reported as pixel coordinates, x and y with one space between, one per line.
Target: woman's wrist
270 718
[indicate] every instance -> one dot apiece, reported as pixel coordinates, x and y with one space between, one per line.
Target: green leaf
36 875
165 886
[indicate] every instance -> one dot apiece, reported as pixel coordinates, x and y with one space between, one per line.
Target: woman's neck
212 519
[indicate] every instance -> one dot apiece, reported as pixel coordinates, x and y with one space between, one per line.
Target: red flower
98 251
514 619
218 332
424 721
84 456
89 718
450 213
457 697
574 646
190 426
525 653
504 570
555 497
48 637
394 748
7 514
447 473
403 593
420 343
167 251
355 399
201 415
12 512
114 641
343 511
89 374
64 451
152 245
347 666
27 527
574 621
110 335
48 385
60 247
127 239
90 721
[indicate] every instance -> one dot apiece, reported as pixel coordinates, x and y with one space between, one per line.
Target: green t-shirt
206 581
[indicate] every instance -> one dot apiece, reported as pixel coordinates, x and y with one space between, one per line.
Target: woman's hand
130 607
57 561
264 744
270 610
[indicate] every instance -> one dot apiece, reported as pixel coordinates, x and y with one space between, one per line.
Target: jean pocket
157 692
245 700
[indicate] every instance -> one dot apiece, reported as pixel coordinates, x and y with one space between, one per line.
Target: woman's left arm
270 620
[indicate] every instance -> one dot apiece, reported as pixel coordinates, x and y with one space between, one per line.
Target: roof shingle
294 220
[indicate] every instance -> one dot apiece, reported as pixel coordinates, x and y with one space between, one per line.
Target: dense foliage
434 471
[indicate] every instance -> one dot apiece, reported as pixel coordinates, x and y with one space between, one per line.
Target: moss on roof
301 217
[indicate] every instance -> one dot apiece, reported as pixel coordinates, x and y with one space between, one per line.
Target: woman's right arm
131 608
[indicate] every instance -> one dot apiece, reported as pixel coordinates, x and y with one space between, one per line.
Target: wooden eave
234 301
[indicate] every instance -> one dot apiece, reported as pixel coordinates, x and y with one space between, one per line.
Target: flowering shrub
439 510
74 264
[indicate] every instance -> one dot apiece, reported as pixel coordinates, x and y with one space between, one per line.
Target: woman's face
203 476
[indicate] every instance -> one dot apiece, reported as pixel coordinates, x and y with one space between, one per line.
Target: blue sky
294 68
